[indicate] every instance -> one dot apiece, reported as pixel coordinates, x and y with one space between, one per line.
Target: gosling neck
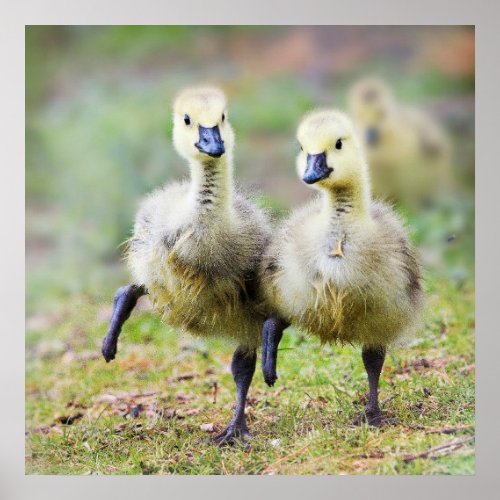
346 202
212 186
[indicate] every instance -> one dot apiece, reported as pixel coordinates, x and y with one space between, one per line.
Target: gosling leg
243 368
123 304
373 359
272 332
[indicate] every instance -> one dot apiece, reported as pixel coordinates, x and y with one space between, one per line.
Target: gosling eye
187 120
223 117
338 144
301 148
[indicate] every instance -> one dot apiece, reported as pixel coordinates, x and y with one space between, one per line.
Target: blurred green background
98 130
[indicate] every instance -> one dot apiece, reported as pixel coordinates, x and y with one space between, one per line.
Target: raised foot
109 348
374 418
233 434
269 372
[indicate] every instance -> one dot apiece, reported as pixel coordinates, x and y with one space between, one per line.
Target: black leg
272 332
373 359
243 368
123 304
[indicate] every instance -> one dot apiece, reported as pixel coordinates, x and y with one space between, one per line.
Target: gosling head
331 155
371 104
201 129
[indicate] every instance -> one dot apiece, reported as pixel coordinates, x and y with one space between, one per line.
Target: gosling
197 247
408 151
341 267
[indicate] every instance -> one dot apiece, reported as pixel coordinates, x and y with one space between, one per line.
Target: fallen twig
185 376
467 368
449 430
441 430
386 400
143 395
278 391
214 393
439 450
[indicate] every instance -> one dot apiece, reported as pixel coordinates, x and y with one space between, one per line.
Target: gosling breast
357 282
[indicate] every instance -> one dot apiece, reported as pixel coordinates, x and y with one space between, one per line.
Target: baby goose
341 267
407 150
197 247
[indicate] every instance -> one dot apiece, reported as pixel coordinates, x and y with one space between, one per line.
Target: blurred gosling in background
197 246
408 151
341 267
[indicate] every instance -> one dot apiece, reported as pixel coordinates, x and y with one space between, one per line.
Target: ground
152 410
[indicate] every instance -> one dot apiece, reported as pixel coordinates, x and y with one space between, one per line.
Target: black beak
372 136
210 142
316 168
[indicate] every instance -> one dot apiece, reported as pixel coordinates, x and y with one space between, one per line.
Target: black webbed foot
270 375
272 332
233 434
109 347
269 368
371 417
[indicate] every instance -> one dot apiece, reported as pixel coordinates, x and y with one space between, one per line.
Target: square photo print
250 250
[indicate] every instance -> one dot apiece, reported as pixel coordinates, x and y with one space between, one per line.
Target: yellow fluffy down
342 267
197 245
411 159
370 295
201 279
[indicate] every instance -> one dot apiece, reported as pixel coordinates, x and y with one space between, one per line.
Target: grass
145 412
